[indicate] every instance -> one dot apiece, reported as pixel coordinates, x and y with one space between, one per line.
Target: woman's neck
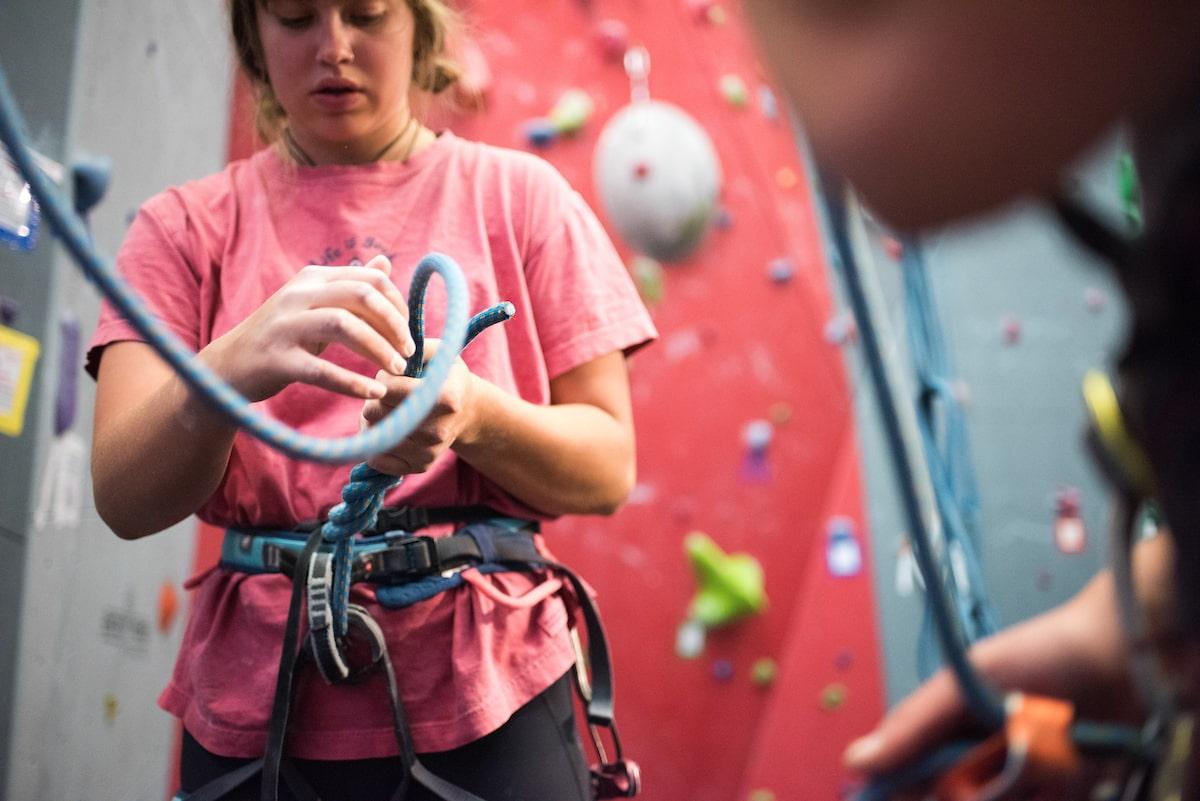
411 138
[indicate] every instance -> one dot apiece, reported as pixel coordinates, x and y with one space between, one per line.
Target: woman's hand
454 415
282 341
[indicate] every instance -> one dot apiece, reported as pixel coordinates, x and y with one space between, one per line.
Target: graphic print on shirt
350 252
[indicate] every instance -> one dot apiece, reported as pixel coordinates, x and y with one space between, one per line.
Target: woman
533 422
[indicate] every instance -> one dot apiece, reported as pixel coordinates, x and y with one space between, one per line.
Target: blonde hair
433 70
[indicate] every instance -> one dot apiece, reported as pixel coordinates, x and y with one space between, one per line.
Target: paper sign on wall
18 353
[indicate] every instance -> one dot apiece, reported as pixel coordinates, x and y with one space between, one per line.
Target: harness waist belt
395 557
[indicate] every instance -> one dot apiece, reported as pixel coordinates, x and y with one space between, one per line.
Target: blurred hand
282 341
453 415
1076 652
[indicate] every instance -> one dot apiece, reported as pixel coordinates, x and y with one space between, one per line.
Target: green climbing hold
1131 193
648 274
731 585
764 671
760 794
833 697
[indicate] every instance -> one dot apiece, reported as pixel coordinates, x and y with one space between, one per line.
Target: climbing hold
716 15
110 708
699 9
833 696
168 606
722 670
843 554
1095 299
843 661
760 794
841 330
733 89
780 413
892 247
1070 533
781 270
757 434
689 640
723 219
764 671
9 310
69 359
1011 330
89 180
1131 194
786 178
731 585
612 37
572 111
1044 580
540 132
648 274
767 103
667 211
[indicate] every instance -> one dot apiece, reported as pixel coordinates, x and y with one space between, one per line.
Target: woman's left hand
453 415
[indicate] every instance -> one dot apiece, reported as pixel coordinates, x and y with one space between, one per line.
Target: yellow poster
18 353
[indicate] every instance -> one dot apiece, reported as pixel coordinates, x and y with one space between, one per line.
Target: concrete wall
1024 406
144 84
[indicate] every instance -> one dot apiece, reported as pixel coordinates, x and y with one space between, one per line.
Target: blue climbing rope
377 439
363 496
982 700
948 461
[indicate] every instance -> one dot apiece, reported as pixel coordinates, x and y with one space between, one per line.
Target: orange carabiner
1034 747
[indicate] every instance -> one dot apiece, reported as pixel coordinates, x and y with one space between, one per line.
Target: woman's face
341 69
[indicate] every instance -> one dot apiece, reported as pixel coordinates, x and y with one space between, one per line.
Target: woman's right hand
282 341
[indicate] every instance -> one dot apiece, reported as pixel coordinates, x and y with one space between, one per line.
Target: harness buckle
405 558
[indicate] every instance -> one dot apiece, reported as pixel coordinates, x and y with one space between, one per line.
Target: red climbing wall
736 347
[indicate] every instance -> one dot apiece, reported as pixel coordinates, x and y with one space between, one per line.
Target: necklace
300 157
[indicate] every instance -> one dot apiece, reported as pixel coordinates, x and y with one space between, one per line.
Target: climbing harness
324 563
405 568
1033 738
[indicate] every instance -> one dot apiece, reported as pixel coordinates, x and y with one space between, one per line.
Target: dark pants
535 756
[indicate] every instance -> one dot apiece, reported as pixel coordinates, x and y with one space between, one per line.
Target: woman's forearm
156 462
568 458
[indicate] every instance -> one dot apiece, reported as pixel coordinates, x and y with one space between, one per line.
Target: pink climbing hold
1011 330
612 38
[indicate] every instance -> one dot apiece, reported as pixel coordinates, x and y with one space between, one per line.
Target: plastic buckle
405 558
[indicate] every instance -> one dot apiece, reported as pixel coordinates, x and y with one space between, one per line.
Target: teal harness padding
503 543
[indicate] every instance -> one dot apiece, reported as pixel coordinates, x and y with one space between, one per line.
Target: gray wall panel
150 91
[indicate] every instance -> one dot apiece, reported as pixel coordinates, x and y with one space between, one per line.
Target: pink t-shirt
206 254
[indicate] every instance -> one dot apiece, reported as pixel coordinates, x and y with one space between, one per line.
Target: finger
398 388
376 278
371 305
380 262
921 721
393 465
321 326
318 372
